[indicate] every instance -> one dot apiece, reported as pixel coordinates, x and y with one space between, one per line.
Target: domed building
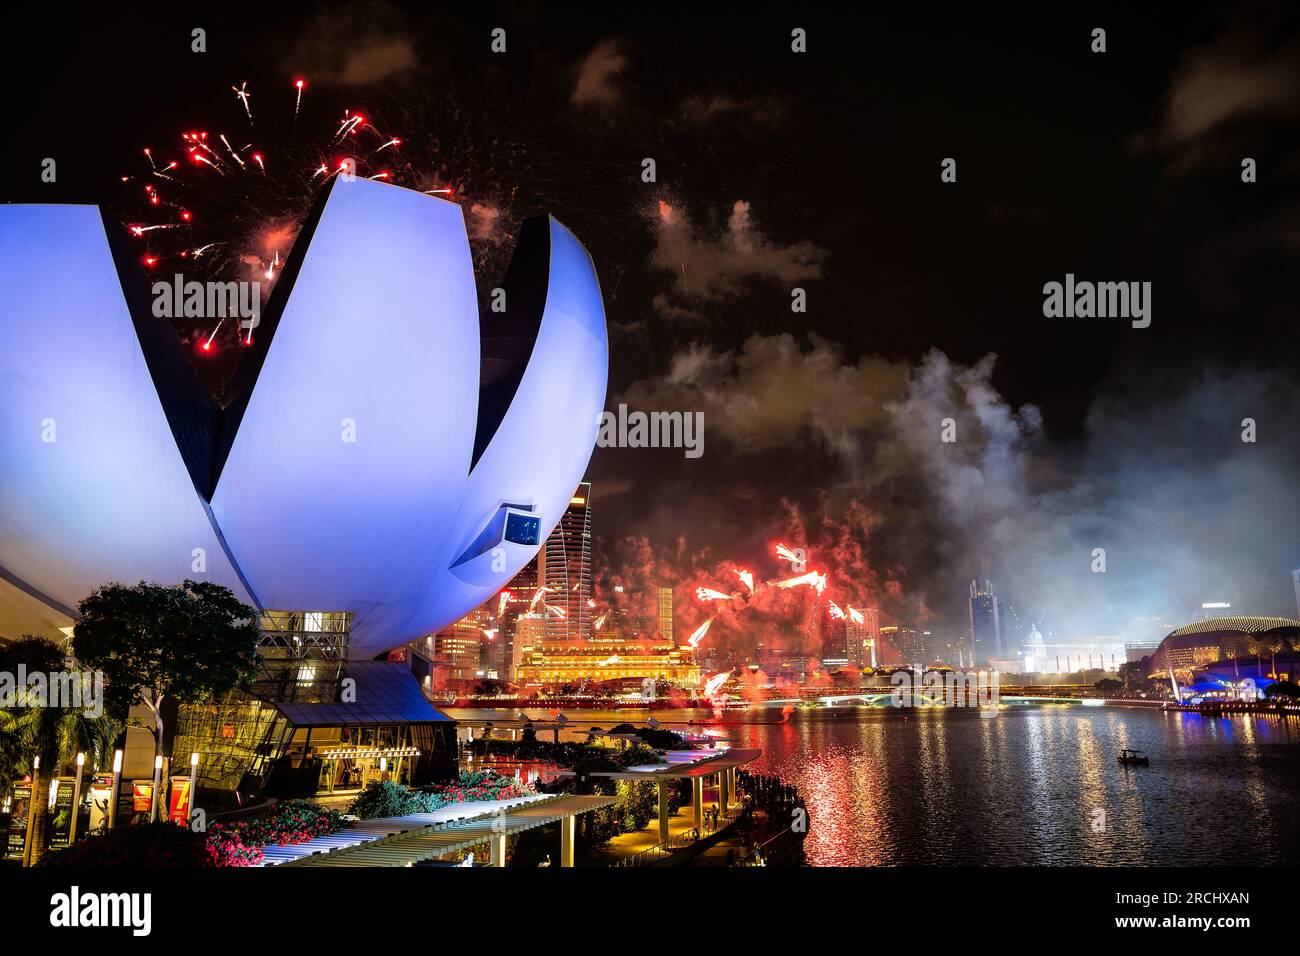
383 451
1199 645
384 460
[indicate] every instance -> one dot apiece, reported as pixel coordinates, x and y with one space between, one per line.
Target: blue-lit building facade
383 461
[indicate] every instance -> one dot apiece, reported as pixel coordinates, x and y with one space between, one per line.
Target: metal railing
661 851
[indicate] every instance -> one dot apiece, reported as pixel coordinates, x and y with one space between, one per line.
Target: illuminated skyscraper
861 632
666 614
835 639
530 631
566 570
985 623
908 643
501 652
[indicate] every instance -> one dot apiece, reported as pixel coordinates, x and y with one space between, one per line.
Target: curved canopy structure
377 453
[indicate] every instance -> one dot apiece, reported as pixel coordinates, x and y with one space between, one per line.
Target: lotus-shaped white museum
380 450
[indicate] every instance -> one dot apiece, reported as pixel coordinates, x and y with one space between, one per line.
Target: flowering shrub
390 799
289 822
383 799
481 785
226 849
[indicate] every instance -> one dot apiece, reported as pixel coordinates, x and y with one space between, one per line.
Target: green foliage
189 642
55 734
659 739
388 799
383 799
1283 689
638 755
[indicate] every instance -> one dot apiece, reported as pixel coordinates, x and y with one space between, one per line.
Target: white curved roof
347 484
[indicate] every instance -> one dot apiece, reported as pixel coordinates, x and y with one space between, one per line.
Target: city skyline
563 442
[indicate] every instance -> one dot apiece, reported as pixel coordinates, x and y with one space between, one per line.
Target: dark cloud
1183 509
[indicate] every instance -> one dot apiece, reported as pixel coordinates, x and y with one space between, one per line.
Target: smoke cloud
1162 493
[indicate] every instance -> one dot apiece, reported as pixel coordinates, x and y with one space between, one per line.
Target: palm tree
35 729
1275 644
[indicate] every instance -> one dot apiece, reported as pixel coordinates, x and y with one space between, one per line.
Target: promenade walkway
366 831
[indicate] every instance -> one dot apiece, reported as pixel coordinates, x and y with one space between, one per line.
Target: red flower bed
289 822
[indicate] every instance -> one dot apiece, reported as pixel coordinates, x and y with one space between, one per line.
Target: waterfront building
835 640
1134 651
665 596
386 475
566 570
1033 652
1204 643
606 658
985 617
907 643
313 720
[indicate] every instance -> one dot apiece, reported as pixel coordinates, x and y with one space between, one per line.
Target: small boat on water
1133 758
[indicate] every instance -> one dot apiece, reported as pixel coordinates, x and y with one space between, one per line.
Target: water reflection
949 787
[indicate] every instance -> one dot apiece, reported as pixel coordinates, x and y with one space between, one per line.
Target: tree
189 642
1283 689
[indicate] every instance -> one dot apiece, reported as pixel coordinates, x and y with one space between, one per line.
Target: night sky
821 170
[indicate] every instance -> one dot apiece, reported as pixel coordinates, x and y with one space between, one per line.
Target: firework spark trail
814 579
714 683
502 601
490 632
836 611
537 597
703 629
200 158
785 554
709 594
241 93
613 659
484 165
234 154
747 578
208 344
559 612
856 616
600 621
348 125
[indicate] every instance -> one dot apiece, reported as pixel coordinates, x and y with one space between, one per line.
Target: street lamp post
194 776
117 785
157 775
76 800
31 811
